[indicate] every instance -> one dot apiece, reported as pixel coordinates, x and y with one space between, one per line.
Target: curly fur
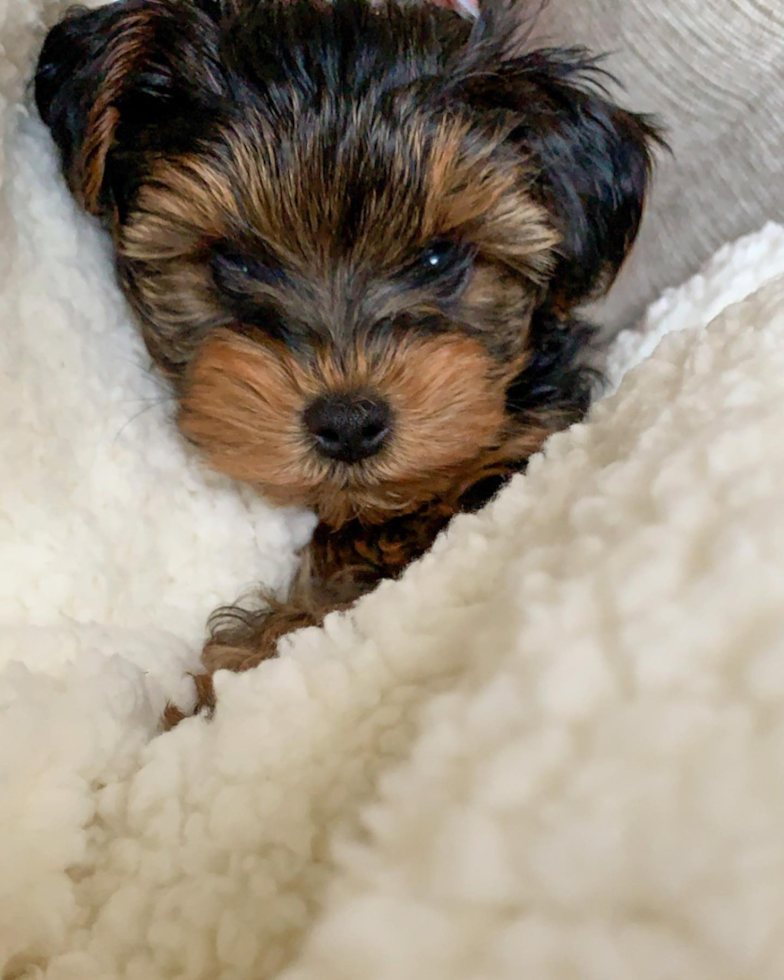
276 177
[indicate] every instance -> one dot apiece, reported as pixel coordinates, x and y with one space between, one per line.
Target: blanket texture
552 749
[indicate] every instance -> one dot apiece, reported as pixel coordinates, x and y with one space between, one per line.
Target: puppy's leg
205 702
338 567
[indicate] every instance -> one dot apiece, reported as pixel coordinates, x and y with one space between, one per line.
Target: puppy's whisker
153 404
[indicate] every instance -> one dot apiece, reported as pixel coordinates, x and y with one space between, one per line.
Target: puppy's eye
234 267
443 263
438 256
238 262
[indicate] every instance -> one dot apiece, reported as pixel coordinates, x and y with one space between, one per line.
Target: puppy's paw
242 640
205 703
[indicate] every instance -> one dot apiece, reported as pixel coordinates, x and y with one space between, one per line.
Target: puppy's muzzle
348 428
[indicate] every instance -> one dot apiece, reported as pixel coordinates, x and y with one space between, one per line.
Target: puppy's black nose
348 428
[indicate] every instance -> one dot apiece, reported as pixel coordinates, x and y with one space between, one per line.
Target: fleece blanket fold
552 749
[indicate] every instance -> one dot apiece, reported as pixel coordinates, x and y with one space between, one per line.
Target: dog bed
554 748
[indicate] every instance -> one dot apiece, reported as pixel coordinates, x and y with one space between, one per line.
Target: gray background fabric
713 70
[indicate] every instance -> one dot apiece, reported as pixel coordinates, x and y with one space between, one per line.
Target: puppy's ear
591 160
110 80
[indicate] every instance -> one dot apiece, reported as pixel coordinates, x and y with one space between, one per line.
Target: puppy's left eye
439 256
443 263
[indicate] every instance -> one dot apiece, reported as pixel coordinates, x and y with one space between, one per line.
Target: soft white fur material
599 794
576 696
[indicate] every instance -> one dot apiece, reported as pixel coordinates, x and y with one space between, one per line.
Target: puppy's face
347 299
348 231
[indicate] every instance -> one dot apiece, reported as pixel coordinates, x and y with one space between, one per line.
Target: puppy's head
353 234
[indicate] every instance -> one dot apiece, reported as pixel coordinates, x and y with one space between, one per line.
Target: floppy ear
111 81
591 159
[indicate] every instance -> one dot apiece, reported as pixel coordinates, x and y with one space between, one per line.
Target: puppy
355 237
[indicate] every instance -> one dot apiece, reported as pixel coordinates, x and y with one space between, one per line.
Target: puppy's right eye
234 267
237 261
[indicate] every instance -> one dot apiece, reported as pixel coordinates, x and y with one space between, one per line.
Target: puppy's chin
375 503
243 405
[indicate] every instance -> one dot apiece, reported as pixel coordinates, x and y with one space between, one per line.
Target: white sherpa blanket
554 749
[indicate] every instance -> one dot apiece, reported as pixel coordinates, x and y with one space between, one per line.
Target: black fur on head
384 201
161 69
